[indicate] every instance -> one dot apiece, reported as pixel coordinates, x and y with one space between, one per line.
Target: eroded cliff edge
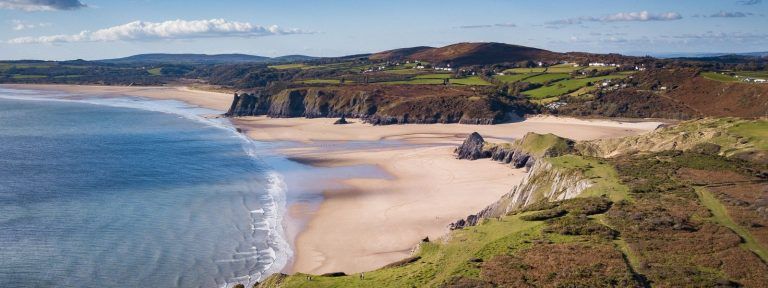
382 105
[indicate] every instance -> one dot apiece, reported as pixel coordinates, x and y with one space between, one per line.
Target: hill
202 59
462 54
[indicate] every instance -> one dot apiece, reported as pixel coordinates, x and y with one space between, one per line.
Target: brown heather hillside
401 53
463 54
680 93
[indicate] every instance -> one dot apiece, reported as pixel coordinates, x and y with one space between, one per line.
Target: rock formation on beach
472 148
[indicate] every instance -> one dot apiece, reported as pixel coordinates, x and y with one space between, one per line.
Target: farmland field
403 71
526 70
429 81
565 87
563 68
544 78
320 81
719 77
288 66
434 76
473 80
754 74
512 78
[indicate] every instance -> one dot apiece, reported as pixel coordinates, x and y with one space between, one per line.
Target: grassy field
428 81
565 86
753 74
403 71
603 175
600 68
434 76
719 77
434 79
526 70
19 76
544 78
155 71
563 68
320 81
512 78
472 80
288 66
756 132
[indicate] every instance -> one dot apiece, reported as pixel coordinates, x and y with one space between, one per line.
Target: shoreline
368 222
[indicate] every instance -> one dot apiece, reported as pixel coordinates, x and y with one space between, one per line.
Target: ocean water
132 193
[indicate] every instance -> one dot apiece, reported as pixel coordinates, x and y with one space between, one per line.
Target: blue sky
97 29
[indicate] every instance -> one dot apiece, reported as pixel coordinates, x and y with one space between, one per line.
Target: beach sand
372 221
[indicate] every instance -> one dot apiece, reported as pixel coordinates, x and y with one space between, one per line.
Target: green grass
19 76
600 68
512 78
544 78
472 80
720 215
403 71
753 74
755 131
320 81
563 68
719 77
566 86
155 71
433 76
440 261
288 66
539 144
526 70
429 81
603 175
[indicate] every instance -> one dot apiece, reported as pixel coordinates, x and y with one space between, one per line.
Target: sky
101 29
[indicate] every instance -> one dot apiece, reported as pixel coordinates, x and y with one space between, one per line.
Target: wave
268 218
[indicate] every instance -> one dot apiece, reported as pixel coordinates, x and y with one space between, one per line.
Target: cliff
543 182
378 105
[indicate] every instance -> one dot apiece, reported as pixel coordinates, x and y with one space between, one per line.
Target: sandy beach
372 222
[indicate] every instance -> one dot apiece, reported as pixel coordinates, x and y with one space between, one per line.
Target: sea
132 192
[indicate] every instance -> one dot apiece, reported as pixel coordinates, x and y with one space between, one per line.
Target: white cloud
173 29
643 16
41 5
19 25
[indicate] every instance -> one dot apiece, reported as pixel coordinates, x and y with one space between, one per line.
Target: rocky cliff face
543 183
377 105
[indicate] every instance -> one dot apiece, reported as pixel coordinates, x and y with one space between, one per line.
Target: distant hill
468 54
203 59
711 55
